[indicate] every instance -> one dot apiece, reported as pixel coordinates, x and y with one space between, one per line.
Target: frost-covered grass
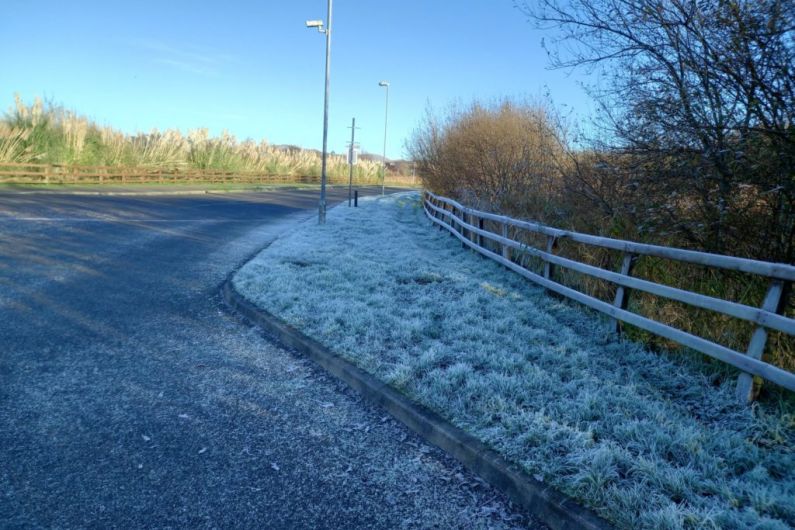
648 440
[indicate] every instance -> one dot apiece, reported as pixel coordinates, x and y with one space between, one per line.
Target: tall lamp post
327 31
384 84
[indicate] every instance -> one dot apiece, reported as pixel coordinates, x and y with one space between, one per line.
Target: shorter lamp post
384 84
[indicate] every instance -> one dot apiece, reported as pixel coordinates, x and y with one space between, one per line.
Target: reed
44 132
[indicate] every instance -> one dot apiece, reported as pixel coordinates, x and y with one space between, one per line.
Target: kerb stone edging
552 507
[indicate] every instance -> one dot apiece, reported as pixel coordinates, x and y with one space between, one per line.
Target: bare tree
701 102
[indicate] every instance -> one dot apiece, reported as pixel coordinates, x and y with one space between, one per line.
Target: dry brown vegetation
491 155
47 133
513 158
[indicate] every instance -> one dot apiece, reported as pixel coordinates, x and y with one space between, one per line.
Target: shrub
501 156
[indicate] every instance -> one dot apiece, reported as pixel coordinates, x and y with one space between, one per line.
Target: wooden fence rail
35 173
468 225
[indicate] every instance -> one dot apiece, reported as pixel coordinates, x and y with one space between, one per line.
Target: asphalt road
130 398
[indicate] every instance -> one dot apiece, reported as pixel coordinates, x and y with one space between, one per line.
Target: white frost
648 440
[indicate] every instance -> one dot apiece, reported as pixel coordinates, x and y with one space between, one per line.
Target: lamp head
383 83
314 24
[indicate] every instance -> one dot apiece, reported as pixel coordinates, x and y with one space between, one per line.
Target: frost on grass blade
645 439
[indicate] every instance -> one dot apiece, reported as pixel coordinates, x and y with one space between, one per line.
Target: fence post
481 223
506 250
549 269
463 230
773 304
621 300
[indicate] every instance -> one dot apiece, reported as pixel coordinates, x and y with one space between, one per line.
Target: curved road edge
552 507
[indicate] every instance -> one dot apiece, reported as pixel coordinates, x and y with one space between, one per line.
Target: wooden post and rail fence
470 226
35 173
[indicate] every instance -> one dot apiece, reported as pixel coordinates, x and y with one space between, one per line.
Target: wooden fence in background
18 173
471 227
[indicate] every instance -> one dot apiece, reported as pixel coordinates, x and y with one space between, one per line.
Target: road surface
130 398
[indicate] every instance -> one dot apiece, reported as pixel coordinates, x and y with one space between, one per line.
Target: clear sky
253 68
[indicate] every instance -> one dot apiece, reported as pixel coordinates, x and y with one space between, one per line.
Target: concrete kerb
552 507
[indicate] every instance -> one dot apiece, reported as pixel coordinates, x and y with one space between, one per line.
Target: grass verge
646 440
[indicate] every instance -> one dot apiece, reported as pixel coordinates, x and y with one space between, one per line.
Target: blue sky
254 69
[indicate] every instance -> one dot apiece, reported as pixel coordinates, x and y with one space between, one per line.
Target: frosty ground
647 440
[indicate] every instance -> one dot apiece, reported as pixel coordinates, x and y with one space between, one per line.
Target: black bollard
356 198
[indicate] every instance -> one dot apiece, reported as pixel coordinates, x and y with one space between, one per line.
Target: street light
384 84
327 31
